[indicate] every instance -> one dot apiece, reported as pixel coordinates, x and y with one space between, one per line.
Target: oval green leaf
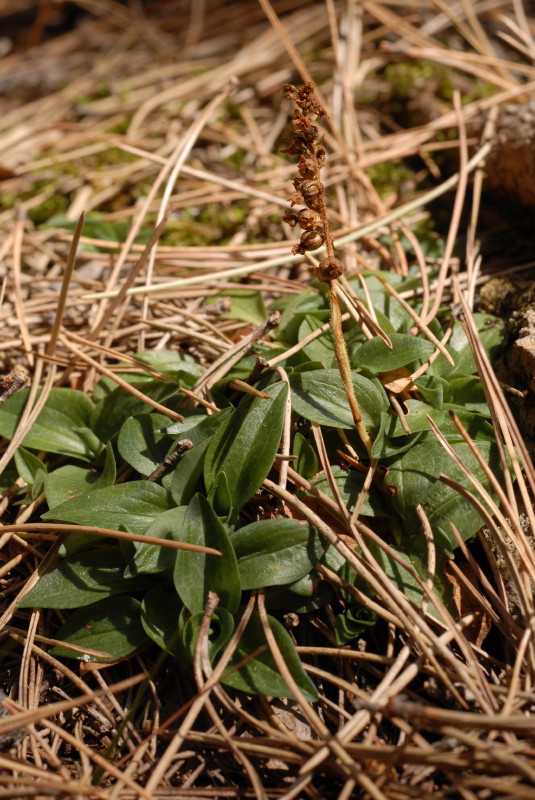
319 396
82 579
196 574
376 356
151 558
221 629
445 506
143 442
112 626
132 505
160 611
116 407
275 551
66 482
414 474
55 429
350 483
260 675
245 445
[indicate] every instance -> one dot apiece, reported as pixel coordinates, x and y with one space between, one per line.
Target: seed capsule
308 219
312 192
310 189
306 168
329 269
311 240
311 135
321 155
290 220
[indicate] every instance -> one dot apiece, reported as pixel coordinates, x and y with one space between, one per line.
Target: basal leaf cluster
93 460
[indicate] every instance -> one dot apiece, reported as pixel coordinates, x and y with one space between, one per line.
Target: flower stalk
313 220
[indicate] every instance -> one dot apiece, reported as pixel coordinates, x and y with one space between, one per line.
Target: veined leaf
116 407
414 474
195 574
160 612
376 356
444 505
112 626
151 558
82 579
132 505
143 442
275 551
260 675
58 428
66 482
319 396
245 445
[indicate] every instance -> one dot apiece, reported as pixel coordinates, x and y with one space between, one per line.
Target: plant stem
344 367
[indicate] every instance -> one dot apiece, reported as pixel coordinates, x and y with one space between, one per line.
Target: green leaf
133 505
295 310
143 442
434 390
187 474
412 476
350 624
350 483
275 551
386 445
492 337
376 356
245 445
444 505
82 579
56 430
400 576
221 629
220 497
179 366
386 307
66 482
320 349
319 396
28 465
195 574
246 305
260 675
160 611
467 391
32 470
116 407
151 558
112 626
199 427
306 463
417 420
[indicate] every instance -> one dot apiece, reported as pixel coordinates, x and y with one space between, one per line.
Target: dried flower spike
310 191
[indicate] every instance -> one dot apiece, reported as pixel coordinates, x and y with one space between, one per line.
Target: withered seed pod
290 220
312 194
306 168
329 269
311 240
311 134
308 219
321 155
310 189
